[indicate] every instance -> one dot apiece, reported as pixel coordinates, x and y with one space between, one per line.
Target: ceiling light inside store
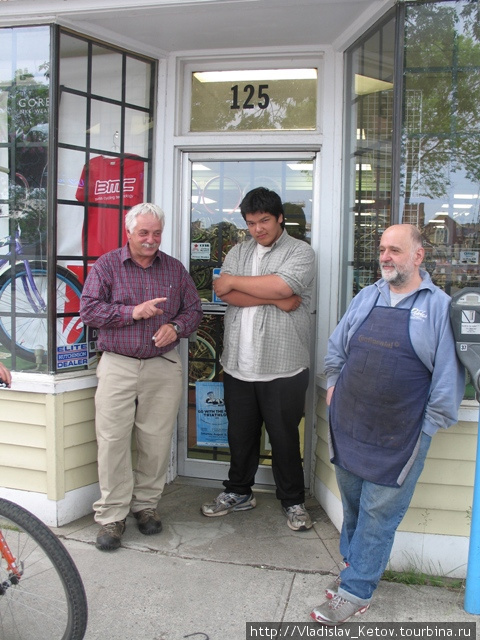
365 85
256 74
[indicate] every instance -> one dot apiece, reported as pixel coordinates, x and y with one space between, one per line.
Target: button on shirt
116 284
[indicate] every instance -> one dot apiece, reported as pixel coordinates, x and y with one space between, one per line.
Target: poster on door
212 423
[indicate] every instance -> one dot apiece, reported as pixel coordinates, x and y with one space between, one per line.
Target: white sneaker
297 517
226 502
337 610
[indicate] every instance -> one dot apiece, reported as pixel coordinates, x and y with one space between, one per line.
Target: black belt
135 358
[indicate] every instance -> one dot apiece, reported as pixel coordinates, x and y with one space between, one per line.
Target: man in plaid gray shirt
267 282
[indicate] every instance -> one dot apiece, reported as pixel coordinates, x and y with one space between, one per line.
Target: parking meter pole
465 318
472 588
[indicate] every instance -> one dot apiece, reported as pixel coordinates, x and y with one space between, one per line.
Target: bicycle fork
15 571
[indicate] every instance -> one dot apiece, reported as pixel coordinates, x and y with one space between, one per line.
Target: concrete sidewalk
209 576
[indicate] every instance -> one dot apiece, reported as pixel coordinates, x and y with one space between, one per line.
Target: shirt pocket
172 304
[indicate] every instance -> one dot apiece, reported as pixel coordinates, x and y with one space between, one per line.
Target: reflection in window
369 138
254 100
104 153
24 138
104 157
216 225
217 191
440 188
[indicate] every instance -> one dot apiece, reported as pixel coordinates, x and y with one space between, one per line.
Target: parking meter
465 319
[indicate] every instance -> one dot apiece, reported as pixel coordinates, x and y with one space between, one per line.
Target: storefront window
370 75
437 164
58 220
440 188
105 121
254 100
431 177
24 140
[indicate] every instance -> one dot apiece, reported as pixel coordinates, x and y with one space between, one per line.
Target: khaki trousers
139 397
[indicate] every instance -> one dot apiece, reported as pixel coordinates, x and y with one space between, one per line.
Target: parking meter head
465 319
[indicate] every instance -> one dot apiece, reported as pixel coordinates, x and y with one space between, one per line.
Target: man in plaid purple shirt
142 301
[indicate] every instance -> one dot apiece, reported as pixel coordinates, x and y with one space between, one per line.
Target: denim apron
378 405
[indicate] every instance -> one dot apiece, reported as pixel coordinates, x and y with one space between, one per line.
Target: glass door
216 188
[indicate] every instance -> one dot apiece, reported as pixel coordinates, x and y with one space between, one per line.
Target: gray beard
396 279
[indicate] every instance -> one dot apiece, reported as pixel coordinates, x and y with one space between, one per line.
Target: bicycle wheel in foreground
48 602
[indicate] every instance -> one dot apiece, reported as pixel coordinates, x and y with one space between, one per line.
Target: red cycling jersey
103 223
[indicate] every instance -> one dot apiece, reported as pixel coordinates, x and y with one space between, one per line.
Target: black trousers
280 405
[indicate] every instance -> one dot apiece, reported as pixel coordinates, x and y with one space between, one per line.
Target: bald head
407 231
401 254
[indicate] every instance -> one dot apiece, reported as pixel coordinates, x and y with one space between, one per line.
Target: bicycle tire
49 600
32 331
201 361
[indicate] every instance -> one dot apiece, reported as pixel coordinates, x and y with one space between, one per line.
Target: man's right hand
148 309
329 395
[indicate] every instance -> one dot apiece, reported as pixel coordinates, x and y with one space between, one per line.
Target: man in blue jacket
393 380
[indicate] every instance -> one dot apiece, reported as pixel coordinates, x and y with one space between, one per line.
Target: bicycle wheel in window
201 360
23 305
47 600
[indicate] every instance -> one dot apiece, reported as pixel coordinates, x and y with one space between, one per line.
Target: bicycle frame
38 305
16 572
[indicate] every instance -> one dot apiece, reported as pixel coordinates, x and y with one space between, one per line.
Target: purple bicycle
23 303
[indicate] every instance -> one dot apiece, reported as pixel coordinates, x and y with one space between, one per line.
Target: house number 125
251 94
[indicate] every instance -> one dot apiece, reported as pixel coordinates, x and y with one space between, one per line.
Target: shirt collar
426 283
281 239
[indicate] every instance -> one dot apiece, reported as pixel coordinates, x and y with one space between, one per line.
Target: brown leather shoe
108 538
148 521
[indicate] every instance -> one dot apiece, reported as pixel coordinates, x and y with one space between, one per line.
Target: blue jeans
371 515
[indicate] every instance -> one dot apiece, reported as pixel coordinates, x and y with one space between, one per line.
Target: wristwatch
175 326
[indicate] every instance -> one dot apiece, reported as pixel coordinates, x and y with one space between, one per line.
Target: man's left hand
165 335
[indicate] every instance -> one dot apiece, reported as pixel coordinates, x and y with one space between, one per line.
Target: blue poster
212 423
215 274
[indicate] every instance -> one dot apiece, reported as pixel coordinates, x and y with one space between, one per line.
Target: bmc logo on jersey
108 187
